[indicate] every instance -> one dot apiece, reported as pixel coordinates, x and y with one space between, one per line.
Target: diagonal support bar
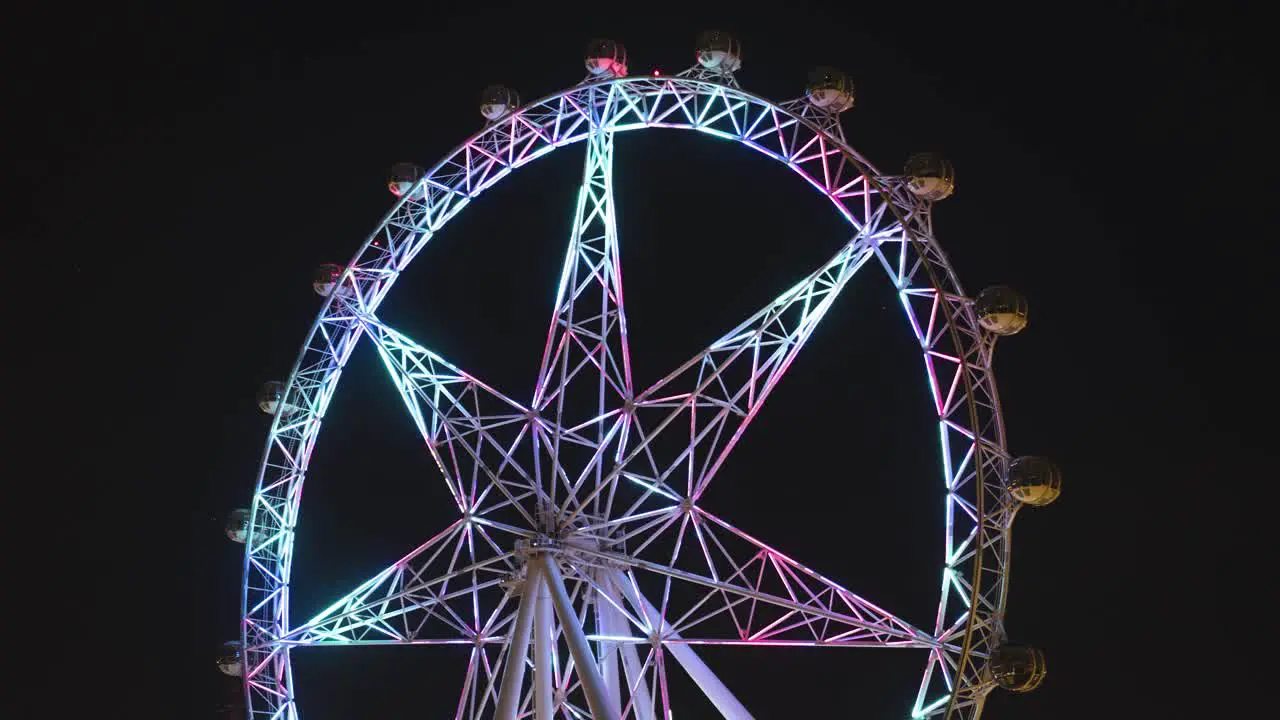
513 677
544 645
586 363
614 627
724 700
608 647
766 600
584 660
716 394
430 596
478 437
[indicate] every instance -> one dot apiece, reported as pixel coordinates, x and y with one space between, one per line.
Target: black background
180 171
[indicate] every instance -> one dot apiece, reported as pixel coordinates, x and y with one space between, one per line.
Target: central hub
581 541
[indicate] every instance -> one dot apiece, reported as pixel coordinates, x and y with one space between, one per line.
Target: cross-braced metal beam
432 596
479 438
586 364
615 479
716 394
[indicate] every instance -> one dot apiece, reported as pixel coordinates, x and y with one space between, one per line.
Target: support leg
583 659
719 695
608 648
543 655
616 624
513 674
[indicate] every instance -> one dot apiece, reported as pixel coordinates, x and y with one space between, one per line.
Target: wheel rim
957 353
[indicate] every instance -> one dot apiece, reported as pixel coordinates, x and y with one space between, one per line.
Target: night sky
186 169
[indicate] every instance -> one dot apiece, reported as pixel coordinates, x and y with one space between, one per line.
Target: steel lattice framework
581 548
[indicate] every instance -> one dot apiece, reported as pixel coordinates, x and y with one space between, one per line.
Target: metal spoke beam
716 394
544 645
817 612
479 438
586 363
583 658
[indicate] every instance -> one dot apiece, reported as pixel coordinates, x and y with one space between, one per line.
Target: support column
715 690
608 647
583 659
616 624
543 655
513 674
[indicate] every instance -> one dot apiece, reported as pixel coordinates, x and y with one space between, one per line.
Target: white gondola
230 659
271 398
830 89
1034 480
403 177
930 176
1001 310
606 58
237 527
718 50
496 101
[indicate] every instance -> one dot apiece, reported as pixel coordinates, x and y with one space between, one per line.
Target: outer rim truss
956 352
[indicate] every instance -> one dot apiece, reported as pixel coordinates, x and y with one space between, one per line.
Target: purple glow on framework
933 385
290 446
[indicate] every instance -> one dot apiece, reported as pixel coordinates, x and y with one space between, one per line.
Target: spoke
434 595
479 438
716 394
469 683
715 690
723 587
586 366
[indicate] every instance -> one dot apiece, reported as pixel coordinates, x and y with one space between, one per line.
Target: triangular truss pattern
630 497
434 595
716 394
720 586
825 120
586 366
480 681
479 438
979 512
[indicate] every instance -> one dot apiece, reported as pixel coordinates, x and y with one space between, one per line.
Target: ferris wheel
582 570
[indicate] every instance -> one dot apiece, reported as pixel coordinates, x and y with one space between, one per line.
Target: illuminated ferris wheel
582 569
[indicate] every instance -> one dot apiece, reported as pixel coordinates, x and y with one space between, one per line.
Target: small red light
656 73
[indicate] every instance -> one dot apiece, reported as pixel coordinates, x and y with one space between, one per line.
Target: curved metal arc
280 554
966 653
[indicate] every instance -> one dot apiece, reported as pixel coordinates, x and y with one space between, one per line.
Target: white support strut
715 690
608 647
583 658
616 625
513 676
544 654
